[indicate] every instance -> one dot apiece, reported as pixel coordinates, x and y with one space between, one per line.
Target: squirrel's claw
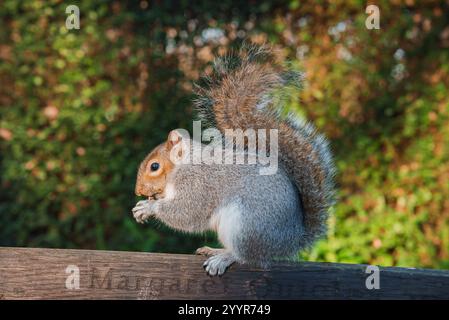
217 264
142 211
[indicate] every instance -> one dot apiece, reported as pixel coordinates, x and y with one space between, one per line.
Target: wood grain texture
29 273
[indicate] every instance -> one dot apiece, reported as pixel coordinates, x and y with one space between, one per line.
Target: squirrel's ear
174 138
178 144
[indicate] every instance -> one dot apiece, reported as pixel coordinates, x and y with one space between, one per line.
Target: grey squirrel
258 218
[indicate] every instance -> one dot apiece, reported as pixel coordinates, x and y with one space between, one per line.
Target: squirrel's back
243 93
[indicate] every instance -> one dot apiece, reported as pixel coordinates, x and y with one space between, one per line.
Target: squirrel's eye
154 166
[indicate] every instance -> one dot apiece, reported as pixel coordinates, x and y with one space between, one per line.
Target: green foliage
83 107
79 109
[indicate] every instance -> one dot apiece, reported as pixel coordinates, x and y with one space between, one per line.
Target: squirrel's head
157 165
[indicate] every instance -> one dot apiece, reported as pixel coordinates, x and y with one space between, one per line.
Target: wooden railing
27 273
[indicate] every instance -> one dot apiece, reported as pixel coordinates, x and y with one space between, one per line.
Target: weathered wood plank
27 273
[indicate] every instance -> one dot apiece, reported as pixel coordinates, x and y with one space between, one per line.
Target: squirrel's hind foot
208 251
217 264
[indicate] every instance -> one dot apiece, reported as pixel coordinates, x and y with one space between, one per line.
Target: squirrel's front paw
142 211
217 264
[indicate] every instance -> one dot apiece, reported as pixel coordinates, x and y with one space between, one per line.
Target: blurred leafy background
80 108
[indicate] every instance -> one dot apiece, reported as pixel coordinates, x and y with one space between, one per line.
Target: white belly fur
226 222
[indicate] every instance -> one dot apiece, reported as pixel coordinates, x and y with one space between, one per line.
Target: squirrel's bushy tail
243 93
